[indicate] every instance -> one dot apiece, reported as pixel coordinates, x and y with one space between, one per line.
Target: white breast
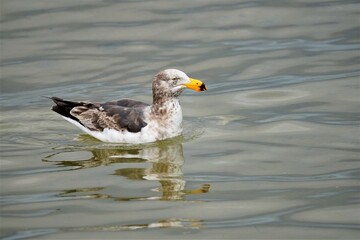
168 124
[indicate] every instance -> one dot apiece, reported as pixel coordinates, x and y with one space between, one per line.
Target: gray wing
119 115
126 103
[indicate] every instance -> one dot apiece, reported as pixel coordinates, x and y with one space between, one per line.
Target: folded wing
119 115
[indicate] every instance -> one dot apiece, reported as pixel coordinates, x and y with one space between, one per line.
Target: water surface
270 151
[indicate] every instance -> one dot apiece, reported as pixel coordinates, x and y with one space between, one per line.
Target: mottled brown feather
120 115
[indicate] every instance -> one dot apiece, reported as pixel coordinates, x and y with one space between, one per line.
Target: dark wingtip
46 97
54 99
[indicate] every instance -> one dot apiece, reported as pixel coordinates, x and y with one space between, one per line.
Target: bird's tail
63 107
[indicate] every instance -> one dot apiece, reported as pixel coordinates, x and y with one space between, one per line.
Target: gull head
171 83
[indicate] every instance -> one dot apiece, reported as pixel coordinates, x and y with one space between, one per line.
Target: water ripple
275 81
330 118
268 45
36 198
25 234
209 8
353 174
8 17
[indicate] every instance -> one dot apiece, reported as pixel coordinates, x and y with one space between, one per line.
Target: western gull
130 121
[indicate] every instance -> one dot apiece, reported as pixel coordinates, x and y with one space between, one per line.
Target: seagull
130 121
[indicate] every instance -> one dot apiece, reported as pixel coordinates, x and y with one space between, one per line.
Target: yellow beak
196 85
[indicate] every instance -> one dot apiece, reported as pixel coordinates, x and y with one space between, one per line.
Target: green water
270 151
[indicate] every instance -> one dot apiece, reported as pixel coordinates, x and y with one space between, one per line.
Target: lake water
270 151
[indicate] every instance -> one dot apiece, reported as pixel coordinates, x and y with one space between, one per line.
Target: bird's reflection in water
187 223
166 160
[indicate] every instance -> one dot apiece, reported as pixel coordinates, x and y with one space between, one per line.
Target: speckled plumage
130 121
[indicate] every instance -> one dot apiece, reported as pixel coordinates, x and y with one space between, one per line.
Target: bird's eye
175 78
